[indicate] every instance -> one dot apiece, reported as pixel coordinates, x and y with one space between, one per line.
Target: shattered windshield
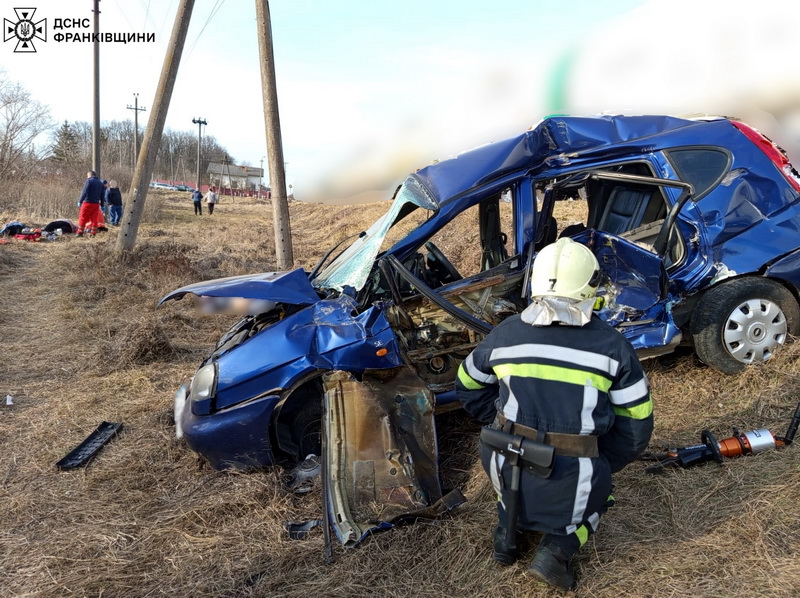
353 266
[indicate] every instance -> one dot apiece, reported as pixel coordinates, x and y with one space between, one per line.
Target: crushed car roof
552 142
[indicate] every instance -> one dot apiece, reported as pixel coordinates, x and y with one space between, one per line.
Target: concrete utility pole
199 122
152 135
96 119
136 110
277 177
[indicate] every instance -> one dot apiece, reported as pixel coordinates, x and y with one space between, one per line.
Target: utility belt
568 445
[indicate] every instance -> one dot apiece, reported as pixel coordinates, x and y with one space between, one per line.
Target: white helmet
565 269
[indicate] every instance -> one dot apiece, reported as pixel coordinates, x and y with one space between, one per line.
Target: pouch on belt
536 457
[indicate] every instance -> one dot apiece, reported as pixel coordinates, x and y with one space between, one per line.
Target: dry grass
83 342
44 201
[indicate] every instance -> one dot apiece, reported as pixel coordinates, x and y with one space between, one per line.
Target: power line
214 10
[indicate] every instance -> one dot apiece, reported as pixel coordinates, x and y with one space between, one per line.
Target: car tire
306 429
743 321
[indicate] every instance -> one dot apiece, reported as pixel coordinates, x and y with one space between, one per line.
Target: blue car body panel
233 438
290 287
636 274
555 142
322 337
325 336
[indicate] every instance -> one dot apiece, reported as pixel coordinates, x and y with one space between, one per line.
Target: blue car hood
282 287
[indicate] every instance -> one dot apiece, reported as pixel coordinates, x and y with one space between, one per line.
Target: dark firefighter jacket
565 379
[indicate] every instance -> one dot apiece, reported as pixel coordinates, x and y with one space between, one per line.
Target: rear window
702 167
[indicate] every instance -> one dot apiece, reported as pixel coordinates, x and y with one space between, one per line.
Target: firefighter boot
551 565
501 553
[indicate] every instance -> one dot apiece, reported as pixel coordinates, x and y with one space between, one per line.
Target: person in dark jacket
197 199
104 204
114 201
558 374
90 217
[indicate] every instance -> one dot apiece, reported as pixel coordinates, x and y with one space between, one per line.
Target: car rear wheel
742 322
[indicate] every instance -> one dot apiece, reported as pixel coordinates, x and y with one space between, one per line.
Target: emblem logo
25 30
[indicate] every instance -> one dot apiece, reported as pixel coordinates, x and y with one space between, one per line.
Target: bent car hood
282 287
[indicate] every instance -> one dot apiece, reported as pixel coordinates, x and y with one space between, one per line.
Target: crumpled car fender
324 336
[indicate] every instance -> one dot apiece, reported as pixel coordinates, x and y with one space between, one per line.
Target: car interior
632 211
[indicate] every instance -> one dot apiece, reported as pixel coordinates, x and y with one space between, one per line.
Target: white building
230 176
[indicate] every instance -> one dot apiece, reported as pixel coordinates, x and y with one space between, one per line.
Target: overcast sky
371 89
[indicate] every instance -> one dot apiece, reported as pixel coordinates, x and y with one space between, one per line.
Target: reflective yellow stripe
583 534
467 380
552 372
642 411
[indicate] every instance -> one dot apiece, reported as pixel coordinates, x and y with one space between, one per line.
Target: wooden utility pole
155 126
277 177
136 112
96 111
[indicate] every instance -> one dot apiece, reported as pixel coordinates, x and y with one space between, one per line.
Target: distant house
230 176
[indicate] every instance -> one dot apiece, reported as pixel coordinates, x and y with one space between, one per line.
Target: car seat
625 209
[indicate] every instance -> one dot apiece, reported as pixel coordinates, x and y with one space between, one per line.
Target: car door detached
380 452
743 321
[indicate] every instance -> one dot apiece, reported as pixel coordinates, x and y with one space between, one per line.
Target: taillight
776 155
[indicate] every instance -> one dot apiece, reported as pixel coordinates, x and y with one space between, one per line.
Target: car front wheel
742 322
306 429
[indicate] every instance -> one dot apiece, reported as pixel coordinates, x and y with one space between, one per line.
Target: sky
366 89
369 90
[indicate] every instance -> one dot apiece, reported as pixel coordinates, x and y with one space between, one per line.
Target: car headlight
203 383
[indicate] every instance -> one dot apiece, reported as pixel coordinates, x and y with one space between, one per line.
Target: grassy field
84 343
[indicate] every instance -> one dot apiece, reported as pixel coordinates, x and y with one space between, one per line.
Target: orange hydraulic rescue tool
748 443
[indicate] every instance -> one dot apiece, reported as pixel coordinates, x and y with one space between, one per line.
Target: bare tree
71 146
22 120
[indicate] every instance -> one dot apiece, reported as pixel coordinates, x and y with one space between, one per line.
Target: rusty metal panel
382 453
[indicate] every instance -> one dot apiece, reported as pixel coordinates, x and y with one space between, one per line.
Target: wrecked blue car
696 226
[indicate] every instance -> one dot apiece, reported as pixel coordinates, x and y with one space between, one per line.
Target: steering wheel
440 265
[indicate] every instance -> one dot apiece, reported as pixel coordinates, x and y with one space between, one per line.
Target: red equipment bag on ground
29 234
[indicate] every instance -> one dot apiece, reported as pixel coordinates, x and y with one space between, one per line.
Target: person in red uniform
90 217
559 375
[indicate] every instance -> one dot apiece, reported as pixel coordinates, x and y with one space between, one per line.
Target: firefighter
557 375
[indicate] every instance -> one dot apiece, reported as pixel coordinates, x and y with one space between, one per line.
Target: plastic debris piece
9 400
300 530
303 477
86 450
